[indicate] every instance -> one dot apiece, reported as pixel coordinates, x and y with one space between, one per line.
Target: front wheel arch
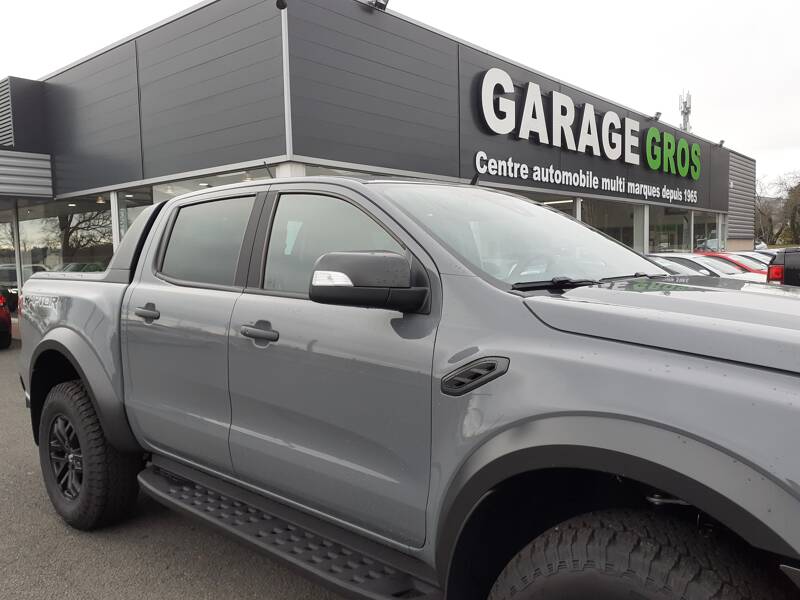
610 446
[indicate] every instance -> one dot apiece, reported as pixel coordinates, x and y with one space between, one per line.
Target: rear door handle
148 312
259 333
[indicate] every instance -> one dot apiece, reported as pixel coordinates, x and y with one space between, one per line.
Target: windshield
512 239
674 266
751 263
720 264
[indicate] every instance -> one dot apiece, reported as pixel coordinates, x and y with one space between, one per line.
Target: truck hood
726 319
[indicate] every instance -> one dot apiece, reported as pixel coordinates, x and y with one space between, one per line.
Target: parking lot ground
157 554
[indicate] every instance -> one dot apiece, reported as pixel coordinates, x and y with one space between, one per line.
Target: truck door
332 405
175 328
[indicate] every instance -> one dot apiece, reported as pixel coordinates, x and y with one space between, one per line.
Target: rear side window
206 240
307 226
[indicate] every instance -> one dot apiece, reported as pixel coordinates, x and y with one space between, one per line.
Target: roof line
130 38
395 14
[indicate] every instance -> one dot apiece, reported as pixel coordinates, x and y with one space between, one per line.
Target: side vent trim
474 375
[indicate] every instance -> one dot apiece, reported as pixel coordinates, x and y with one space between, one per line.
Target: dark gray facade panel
92 113
27 101
741 218
212 88
372 89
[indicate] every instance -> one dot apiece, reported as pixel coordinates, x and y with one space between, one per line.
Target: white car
710 265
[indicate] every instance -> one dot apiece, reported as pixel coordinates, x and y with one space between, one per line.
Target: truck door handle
148 312
259 333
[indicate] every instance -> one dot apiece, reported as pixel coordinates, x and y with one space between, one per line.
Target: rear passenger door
175 327
333 411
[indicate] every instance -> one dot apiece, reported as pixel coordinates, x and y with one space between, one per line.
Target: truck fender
745 498
107 403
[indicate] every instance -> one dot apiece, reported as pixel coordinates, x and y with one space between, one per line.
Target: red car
5 324
748 264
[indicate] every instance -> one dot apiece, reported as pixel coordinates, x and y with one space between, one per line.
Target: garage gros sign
581 129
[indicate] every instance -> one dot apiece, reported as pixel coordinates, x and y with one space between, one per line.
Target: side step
252 519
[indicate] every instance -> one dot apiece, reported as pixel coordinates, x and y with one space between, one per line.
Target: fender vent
474 375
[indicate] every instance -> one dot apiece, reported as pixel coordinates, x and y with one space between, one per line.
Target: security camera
380 4
281 4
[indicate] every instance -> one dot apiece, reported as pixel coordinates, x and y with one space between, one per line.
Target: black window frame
245 250
257 270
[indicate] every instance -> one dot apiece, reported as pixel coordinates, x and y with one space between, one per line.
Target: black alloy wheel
66 457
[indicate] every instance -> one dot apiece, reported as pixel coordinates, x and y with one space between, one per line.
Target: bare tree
789 186
770 215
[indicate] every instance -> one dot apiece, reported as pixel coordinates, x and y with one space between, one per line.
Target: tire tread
665 555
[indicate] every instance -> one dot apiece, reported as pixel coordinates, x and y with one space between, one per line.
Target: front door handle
148 312
265 334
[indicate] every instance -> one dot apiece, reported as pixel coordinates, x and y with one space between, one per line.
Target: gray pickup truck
422 390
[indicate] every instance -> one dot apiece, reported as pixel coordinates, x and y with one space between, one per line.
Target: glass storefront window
565 206
65 235
670 229
7 256
705 235
166 191
615 219
131 203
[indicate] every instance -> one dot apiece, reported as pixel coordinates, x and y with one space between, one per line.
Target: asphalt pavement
156 554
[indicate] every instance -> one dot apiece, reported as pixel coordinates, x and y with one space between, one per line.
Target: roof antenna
475 179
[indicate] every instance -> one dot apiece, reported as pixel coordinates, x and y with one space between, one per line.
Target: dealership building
236 90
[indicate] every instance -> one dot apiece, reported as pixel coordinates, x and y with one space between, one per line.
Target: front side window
206 240
512 239
305 227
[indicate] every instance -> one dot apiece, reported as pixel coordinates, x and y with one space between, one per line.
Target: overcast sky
740 60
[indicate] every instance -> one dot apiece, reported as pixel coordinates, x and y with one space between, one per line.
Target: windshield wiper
556 283
635 276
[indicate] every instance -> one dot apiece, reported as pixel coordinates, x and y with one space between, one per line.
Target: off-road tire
109 487
636 555
5 340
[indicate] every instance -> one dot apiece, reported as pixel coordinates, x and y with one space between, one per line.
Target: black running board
260 522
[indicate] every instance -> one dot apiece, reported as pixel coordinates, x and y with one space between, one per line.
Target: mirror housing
368 280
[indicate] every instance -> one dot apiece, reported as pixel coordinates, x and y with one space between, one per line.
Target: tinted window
306 227
205 241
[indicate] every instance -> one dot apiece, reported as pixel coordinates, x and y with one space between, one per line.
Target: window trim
246 248
256 278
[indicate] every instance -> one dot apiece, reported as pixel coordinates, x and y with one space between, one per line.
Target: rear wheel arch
66 357
510 459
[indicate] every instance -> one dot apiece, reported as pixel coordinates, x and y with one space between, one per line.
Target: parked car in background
5 323
768 252
748 264
75 267
760 245
672 267
8 278
704 264
785 267
757 256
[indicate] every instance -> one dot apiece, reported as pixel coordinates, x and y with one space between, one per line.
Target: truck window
205 241
306 227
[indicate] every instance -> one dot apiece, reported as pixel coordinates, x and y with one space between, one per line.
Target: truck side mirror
368 280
